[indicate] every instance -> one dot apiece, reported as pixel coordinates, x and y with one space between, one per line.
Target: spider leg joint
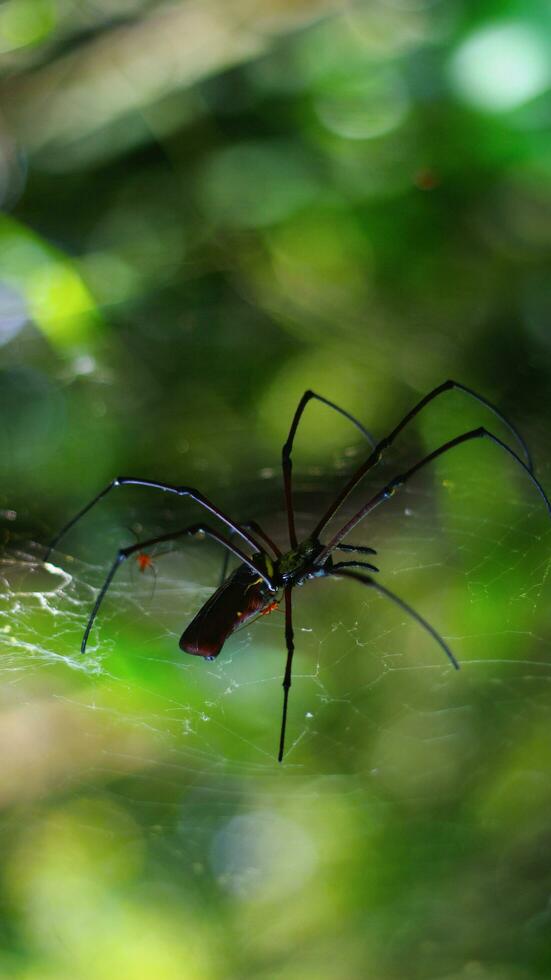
391 489
197 531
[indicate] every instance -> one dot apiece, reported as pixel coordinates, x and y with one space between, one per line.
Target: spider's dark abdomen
242 596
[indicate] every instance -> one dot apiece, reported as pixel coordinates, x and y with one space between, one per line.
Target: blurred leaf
57 299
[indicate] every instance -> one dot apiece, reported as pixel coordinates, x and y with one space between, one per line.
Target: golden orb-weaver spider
253 588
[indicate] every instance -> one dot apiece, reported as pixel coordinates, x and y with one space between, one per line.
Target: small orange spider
264 612
270 608
273 605
144 561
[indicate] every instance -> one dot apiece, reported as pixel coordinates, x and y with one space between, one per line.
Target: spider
145 561
266 574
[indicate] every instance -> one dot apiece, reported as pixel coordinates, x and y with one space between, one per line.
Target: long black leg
125 553
180 491
260 533
249 526
289 640
224 569
353 564
398 482
286 462
384 444
367 580
360 549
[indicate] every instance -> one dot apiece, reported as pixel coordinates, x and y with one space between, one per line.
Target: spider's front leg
180 491
286 461
388 440
400 481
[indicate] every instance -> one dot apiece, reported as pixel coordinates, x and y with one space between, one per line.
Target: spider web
468 548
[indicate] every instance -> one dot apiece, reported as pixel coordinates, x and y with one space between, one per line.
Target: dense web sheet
373 695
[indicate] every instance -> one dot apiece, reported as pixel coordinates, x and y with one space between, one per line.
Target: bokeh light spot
364 107
25 22
322 262
501 66
13 312
60 300
56 296
255 184
263 856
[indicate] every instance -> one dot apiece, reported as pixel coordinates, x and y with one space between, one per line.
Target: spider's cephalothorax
254 587
298 564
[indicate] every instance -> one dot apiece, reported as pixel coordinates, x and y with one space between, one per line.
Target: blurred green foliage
209 208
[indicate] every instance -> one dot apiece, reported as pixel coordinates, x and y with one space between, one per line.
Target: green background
207 209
